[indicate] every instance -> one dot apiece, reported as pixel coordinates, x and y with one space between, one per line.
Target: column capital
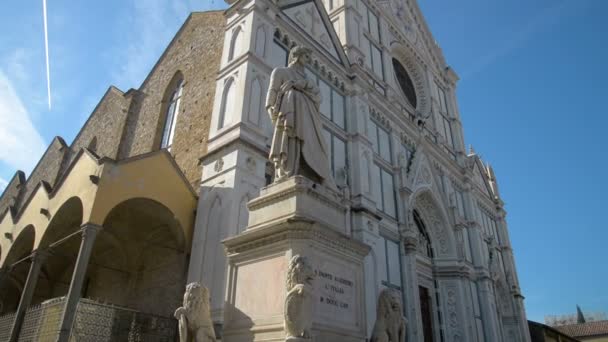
90 229
410 241
40 255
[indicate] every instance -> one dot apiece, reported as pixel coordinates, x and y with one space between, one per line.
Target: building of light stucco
163 174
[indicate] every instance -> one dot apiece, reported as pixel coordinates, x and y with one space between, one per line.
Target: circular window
405 82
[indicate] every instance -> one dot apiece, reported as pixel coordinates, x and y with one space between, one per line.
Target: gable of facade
311 17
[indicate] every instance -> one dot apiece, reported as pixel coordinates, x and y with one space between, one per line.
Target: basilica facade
162 176
430 210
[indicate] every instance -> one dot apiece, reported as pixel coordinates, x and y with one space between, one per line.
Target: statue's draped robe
298 131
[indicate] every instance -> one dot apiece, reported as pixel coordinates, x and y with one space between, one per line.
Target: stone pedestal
294 217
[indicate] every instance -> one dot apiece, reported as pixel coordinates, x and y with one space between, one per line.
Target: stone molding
294 229
298 186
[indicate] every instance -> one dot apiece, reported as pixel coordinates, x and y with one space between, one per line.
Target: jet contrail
46 49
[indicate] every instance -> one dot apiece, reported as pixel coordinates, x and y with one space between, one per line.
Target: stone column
38 258
89 233
410 246
524 329
488 311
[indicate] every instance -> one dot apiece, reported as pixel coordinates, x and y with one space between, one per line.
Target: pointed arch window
405 82
171 115
424 239
236 44
227 105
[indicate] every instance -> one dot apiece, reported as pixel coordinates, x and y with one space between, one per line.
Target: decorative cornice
300 186
294 229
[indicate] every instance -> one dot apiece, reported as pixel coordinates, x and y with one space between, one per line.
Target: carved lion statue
390 322
298 302
194 316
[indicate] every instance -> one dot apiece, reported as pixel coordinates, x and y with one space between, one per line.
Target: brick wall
11 193
195 52
103 130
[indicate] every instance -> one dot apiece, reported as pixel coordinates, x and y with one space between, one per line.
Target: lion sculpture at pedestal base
390 322
298 302
194 316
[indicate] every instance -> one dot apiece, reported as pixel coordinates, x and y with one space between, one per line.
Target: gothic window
405 82
384 190
227 104
333 103
337 156
255 102
236 44
443 105
371 42
392 278
444 124
460 202
488 224
171 114
278 54
424 239
260 41
381 140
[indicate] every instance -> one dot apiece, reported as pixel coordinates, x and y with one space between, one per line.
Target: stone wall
195 52
48 170
102 132
11 193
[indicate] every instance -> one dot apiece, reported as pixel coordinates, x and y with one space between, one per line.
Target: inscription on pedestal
336 293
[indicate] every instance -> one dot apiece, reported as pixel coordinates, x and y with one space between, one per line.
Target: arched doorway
62 239
435 244
139 260
426 281
12 283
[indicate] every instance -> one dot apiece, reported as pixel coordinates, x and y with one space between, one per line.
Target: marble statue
194 316
293 100
390 322
298 302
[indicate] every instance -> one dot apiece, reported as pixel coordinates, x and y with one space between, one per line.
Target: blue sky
531 95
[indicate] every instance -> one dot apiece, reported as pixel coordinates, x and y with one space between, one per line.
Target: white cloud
20 143
3 184
155 23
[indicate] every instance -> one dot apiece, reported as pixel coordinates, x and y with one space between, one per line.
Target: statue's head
299 272
389 304
300 55
195 295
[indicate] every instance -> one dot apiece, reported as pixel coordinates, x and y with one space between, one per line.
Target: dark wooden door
426 313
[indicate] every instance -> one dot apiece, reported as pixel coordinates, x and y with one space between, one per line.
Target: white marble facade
430 211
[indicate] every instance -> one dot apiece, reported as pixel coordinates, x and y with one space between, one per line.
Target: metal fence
41 322
101 322
93 322
6 323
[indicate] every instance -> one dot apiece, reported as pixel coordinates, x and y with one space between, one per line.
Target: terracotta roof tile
585 329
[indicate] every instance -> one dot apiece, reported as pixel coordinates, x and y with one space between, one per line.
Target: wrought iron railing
102 322
41 322
6 323
93 322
